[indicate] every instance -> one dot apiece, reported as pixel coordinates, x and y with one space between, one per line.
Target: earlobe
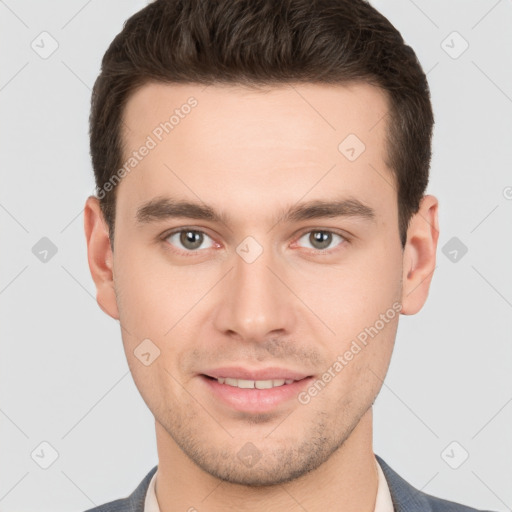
100 257
419 258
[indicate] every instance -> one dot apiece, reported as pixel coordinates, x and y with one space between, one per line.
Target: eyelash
318 252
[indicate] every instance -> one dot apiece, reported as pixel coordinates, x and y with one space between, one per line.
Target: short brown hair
266 42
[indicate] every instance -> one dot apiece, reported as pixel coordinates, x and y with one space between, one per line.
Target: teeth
251 384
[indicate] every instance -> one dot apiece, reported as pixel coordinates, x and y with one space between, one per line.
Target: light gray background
64 377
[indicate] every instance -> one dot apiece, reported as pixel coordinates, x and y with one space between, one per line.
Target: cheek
372 318
152 314
158 304
152 295
352 294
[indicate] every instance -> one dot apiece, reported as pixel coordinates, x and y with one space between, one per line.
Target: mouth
254 391
252 384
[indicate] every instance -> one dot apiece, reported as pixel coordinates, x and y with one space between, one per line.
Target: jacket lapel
404 496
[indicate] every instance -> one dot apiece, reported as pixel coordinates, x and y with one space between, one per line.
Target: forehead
306 109
256 146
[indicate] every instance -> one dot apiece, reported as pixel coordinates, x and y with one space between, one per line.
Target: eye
190 239
321 239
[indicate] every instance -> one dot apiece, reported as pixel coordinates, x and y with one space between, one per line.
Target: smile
254 384
255 394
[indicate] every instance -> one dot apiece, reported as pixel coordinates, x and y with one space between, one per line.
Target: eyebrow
163 208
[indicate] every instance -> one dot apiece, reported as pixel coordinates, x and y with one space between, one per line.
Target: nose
255 299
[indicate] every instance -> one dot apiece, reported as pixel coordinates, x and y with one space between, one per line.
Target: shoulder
405 497
408 499
133 503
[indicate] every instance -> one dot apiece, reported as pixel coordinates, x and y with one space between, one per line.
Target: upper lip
237 372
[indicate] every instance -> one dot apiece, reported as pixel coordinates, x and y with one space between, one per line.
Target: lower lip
255 400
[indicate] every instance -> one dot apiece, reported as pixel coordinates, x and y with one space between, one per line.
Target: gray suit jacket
405 497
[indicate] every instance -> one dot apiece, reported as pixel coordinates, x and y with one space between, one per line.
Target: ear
100 257
419 257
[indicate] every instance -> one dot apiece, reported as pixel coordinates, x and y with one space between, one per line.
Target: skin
237 150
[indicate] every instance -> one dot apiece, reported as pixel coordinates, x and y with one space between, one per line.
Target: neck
346 482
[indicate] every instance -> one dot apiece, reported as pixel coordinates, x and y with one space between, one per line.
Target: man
260 223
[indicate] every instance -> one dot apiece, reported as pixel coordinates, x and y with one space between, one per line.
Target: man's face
257 292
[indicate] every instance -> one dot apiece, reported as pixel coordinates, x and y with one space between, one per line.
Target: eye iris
193 237
320 236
